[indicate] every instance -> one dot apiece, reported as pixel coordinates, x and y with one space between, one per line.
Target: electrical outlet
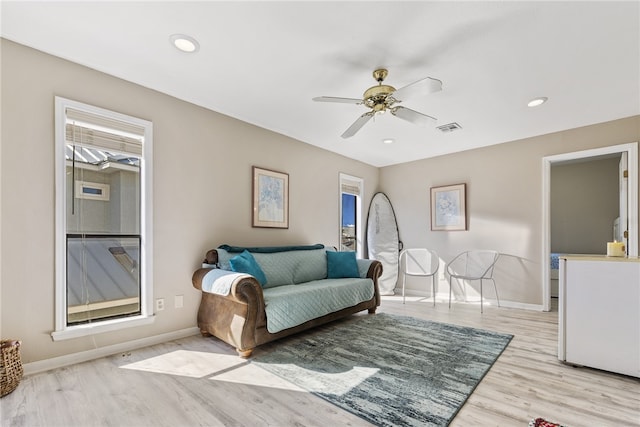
160 304
179 301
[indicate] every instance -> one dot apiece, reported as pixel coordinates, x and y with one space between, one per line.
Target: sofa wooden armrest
233 318
374 272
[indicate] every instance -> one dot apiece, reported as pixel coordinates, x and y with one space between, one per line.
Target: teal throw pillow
342 264
246 263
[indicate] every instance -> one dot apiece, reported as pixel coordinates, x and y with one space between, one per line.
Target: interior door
623 227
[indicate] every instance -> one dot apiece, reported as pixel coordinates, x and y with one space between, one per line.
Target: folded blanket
270 249
219 281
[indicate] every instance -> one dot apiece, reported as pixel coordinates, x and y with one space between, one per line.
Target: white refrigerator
599 313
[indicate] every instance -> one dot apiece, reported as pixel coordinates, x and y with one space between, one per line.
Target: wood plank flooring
199 381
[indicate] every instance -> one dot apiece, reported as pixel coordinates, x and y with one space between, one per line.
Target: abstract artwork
448 207
270 198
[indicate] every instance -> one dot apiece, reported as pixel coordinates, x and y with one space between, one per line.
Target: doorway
630 151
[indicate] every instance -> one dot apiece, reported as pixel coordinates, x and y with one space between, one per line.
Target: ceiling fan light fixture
184 43
379 111
537 101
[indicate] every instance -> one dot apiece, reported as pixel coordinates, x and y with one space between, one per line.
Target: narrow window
350 213
103 219
349 223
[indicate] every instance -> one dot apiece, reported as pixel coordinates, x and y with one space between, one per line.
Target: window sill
98 328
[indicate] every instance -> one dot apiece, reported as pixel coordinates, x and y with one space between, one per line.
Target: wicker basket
10 366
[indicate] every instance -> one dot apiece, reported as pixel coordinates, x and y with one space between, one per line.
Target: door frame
632 207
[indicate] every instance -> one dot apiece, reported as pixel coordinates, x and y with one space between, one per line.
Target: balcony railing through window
103 277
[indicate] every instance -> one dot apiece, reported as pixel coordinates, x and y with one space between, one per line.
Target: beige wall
504 202
202 193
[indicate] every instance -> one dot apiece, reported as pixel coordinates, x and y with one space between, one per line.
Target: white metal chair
419 262
473 265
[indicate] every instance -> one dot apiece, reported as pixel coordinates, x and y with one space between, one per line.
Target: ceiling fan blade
412 116
336 99
355 127
421 87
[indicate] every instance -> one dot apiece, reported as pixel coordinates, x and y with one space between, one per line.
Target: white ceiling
262 62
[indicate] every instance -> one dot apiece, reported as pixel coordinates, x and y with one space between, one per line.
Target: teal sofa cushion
246 263
289 306
342 265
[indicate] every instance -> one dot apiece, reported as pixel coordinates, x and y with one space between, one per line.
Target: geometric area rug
389 370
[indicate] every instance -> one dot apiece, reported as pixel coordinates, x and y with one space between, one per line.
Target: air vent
450 127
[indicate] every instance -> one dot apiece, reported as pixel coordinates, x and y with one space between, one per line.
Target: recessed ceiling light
537 101
388 140
185 43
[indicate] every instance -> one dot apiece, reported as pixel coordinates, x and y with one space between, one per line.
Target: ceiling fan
381 98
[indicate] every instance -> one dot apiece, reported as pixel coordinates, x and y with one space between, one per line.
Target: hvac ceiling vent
450 127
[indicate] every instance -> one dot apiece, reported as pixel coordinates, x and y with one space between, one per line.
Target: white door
623 180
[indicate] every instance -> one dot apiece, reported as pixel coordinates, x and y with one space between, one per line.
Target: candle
615 249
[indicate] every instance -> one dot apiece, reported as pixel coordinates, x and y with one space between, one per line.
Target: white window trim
62 331
359 228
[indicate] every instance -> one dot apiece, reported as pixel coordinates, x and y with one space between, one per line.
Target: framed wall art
449 208
270 198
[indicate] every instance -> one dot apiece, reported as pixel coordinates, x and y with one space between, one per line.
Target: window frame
62 331
343 178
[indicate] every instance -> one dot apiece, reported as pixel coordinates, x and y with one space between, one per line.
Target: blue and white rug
389 370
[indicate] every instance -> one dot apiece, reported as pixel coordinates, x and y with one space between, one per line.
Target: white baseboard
84 356
444 297
521 305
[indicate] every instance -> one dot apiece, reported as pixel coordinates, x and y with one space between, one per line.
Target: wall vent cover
450 127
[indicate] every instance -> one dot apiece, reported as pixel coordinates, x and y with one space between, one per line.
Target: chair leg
449 291
403 280
433 289
496 289
481 299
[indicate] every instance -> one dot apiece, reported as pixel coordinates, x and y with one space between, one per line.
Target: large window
103 220
350 213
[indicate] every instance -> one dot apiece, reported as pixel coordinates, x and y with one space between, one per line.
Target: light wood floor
200 381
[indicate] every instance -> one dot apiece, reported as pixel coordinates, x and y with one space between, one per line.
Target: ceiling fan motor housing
376 97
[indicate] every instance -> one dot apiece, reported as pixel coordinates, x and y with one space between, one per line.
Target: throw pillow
342 264
246 263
